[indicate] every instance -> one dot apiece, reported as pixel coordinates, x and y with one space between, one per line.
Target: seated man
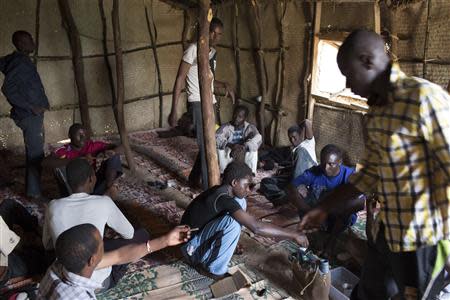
307 189
239 140
81 146
303 157
79 252
21 251
219 213
82 207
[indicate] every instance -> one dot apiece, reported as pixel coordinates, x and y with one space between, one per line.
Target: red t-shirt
90 147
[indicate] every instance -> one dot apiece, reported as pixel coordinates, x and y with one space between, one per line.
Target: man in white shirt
188 74
82 207
303 157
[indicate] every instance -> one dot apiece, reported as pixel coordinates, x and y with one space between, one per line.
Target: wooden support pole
281 72
158 69
316 30
260 68
36 32
205 78
376 17
185 32
236 49
105 53
118 105
77 61
425 47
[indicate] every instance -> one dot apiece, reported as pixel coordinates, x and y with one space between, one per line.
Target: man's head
362 59
77 135
80 175
239 176
296 134
23 41
80 249
215 31
240 114
331 160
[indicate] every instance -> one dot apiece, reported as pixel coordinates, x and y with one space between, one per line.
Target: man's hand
301 239
178 235
313 219
172 119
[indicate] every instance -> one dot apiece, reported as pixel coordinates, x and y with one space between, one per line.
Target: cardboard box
230 284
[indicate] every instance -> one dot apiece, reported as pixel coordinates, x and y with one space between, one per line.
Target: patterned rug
178 281
162 275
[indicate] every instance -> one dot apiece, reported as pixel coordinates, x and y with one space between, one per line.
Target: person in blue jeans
309 188
219 213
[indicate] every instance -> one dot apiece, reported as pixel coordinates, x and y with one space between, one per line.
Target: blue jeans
33 137
213 247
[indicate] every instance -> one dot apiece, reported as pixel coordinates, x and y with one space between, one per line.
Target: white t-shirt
192 84
81 208
8 241
310 146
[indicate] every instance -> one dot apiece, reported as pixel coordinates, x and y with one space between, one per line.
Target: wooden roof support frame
77 62
119 99
316 30
205 77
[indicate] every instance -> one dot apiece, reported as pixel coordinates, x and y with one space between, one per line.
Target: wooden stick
260 67
137 49
105 51
316 29
205 78
77 61
281 73
158 70
118 106
425 47
186 23
36 31
237 51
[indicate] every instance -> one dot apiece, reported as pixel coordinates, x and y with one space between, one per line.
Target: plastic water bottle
324 266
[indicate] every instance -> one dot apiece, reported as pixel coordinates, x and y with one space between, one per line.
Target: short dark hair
297 127
243 108
236 171
78 172
75 128
215 22
75 246
330 149
17 36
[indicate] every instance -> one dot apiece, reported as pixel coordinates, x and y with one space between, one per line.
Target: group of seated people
80 261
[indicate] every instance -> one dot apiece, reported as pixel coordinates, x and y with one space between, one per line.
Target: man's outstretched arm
267 229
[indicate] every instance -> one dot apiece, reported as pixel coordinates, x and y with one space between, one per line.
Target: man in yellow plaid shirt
406 164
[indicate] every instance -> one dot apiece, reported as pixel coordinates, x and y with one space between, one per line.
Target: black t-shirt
209 205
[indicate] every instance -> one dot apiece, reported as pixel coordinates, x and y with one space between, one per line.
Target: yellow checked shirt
407 162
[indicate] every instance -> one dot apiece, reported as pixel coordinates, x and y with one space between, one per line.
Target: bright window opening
329 82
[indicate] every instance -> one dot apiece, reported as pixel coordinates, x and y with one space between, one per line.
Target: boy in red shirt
81 146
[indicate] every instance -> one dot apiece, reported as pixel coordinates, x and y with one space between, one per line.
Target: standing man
23 89
188 73
407 164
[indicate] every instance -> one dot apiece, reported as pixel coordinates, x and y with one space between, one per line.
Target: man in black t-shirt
219 213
